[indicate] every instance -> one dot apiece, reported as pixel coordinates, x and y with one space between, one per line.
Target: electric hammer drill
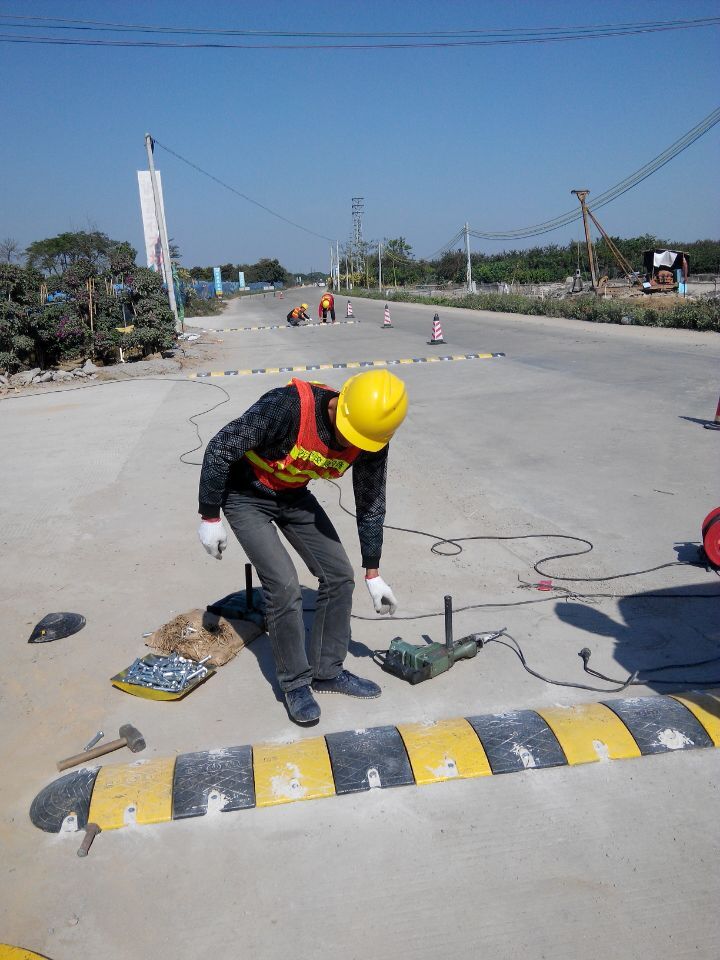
415 663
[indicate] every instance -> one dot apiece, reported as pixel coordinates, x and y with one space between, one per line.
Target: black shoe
347 683
302 705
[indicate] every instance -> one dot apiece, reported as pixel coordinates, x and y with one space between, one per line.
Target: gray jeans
255 521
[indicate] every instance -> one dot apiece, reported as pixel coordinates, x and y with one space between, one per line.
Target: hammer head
134 738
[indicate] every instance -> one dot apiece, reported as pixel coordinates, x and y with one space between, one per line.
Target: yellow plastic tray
148 693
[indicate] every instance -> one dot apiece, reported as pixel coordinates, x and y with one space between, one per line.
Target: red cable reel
711 537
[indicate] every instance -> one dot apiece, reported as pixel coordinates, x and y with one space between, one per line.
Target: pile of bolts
172 674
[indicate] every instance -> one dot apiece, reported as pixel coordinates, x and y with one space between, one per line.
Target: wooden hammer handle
98 751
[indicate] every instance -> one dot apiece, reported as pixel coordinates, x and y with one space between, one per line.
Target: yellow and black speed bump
222 776
266 774
68 796
659 724
19 953
350 365
278 326
518 741
362 759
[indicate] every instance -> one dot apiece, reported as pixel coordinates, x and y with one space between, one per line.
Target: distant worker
327 302
257 469
298 314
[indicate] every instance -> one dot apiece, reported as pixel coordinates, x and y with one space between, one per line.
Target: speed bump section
520 740
362 759
705 707
292 771
68 796
444 750
221 779
659 724
590 732
139 792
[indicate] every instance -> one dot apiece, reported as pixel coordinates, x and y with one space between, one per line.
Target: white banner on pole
151 231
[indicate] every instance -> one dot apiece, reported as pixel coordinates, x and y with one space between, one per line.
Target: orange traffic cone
386 325
716 424
436 335
349 310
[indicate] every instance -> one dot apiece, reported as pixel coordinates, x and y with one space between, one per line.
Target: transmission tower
356 243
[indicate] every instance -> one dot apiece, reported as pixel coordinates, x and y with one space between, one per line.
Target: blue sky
430 138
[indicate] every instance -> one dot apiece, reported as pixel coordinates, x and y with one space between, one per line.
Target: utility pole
469 262
162 227
581 195
337 264
380 266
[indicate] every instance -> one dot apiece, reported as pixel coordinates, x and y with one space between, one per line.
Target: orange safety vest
296 312
309 459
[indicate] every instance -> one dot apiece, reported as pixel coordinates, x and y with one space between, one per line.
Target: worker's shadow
262 651
677 625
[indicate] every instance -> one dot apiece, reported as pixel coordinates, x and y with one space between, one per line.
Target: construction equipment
631 274
129 737
417 663
711 538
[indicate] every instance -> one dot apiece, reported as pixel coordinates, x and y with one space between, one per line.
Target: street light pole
162 227
469 262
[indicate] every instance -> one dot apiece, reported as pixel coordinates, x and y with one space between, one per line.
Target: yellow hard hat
304 306
370 408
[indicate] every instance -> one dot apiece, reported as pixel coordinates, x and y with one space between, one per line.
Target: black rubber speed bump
520 740
67 796
660 724
225 775
362 759
165 788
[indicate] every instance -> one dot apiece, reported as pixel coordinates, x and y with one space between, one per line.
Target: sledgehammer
129 737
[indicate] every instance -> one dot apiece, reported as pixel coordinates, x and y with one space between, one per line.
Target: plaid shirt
270 427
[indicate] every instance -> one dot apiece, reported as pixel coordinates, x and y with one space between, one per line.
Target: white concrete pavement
581 430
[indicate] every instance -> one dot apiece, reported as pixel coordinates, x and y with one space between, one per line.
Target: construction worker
257 469
327 302
298 314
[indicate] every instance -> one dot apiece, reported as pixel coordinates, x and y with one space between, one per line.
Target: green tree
54 255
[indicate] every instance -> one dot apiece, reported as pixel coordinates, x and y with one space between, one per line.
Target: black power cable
569 595
503 637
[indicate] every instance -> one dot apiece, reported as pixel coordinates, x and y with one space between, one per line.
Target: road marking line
351 364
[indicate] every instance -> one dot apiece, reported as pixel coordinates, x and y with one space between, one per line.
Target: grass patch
688 315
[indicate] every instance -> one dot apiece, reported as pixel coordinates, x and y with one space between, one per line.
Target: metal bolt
96 739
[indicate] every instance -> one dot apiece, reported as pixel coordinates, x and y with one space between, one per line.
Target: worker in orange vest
256 471
298 314
327 302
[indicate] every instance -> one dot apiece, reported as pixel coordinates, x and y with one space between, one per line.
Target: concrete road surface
580 430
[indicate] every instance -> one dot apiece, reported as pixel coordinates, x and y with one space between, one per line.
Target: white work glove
382 596
213 536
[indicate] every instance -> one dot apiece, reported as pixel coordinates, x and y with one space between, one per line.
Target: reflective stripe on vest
309 459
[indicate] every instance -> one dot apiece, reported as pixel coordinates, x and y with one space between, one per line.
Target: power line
239 193
103 25
326 39
651 167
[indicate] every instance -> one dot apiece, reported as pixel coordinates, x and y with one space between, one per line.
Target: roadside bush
689 315
44 334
